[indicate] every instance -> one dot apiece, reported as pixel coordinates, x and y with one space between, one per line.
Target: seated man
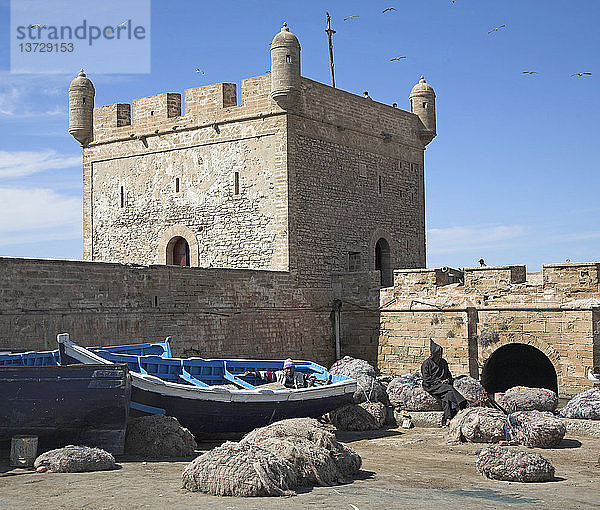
437 381
288 377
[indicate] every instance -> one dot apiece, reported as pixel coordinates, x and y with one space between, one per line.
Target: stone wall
218 173
557 314
207 312
356 175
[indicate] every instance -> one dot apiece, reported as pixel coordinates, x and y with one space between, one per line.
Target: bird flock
394 59
490 32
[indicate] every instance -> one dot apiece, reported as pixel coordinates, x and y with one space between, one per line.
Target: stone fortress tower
299 177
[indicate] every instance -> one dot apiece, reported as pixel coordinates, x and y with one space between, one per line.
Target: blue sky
513 175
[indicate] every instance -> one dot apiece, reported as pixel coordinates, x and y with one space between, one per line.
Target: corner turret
81 108
422 103
285 68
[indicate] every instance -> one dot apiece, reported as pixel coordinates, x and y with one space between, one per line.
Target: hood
434 348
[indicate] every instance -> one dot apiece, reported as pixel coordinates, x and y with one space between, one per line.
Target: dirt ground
401 468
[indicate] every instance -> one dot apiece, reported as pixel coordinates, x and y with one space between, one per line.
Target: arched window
382 262
178 252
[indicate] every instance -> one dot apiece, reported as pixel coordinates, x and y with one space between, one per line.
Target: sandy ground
415 468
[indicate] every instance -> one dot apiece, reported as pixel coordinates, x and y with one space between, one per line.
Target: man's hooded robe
437 381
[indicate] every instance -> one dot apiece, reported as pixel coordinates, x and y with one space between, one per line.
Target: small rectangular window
122 197
399 165
155 301
236 183
354 261
177 185
288 59
379 184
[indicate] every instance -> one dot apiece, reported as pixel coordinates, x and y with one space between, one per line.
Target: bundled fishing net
351 367
468 387
412 397
377 410
314 452
353 417
307 428
536 428
500 463
368 389
397 384
235 469
158 436
75 459
522 398
478 425
585 406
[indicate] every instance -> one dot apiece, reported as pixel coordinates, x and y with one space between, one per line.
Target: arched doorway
382 262
178 252
518 365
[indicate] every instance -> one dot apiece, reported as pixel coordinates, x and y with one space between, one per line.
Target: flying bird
351 17
496 29
199 71
581 74
388 10
37 26
396 58
530 72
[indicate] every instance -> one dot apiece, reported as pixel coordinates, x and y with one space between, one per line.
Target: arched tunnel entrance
518 365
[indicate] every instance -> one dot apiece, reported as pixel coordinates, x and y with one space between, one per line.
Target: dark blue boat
213 396
76 404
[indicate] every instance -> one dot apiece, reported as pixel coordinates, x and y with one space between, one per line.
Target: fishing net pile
478 425
536 428
378 411
75 459
584 406
522 398
397 384
314 452
357 417
468 387
233 469
412 397
350 366
368 388
500 463
273 461
158 436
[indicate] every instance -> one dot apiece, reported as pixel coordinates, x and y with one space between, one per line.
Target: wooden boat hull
203 417
76 404
219 410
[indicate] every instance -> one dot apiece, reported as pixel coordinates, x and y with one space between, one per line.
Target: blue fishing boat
214 396
76 404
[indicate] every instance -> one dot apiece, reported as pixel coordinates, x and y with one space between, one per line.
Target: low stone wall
207 312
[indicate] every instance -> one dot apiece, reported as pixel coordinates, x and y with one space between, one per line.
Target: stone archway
168 243
518 364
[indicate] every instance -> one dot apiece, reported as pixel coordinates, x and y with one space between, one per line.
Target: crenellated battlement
572 280
202 105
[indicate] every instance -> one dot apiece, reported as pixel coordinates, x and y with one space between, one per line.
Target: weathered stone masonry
557 312
207 312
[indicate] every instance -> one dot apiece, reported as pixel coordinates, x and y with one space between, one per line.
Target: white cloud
472 238
35 215
9 100
20 163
